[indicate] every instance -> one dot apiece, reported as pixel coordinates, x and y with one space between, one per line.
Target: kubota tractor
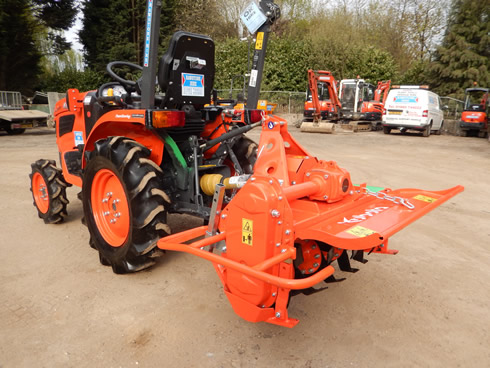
474 119
138 156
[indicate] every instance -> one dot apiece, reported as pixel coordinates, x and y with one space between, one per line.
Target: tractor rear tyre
246 153
48 189
124 206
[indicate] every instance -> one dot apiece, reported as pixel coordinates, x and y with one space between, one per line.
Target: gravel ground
426 306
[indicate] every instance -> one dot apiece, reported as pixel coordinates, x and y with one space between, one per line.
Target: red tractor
278 217
474 119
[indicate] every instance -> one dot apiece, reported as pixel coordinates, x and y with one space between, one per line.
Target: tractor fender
126 123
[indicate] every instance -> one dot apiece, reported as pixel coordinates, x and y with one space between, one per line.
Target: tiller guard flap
296 209
363 221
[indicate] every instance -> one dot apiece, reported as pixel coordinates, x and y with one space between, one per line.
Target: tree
22 22
19 56
114 30
463 57
56 16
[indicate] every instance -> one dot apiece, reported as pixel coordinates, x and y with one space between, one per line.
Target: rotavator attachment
294 216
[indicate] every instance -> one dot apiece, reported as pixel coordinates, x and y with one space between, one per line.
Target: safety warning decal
260 40
423 198
360 231
192 85
78 138
247 231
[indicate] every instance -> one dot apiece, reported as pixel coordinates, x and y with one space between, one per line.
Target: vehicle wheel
124 205
48 189
246 152
16 131
426 132
439 131
386 130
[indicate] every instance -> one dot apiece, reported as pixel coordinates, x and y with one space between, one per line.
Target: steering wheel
130 85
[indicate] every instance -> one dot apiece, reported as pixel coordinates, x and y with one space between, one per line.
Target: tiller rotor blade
292 219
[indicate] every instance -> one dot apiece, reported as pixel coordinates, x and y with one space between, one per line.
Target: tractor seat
186 71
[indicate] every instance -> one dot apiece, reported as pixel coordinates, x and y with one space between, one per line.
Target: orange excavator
321 96
474 119
374 109
362 103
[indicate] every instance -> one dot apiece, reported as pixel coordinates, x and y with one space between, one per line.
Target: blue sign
148 34
78 138
406 99
270 125
192 84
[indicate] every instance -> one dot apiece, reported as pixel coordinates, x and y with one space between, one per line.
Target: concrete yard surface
428 306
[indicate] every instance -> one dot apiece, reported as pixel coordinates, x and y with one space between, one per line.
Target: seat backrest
186 70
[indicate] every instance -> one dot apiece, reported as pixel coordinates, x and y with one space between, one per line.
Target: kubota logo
368 213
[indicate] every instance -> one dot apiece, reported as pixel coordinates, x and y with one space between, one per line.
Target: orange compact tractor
277 217
474 119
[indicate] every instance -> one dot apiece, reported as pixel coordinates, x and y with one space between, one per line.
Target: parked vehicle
321 96
413 108
321 102
362 103
474 119
14 119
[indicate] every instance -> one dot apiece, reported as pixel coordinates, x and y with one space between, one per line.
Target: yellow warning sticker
247 231
423 198
360 231
260 41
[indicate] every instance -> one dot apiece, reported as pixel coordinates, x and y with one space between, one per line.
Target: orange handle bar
257 271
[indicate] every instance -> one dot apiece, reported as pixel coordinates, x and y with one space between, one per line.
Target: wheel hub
110 208
40 192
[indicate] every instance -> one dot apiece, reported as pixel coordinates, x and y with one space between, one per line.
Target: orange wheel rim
110 207
40 192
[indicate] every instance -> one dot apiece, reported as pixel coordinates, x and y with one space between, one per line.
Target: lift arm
383 88
273 12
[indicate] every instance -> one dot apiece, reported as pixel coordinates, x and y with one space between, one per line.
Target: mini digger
276 218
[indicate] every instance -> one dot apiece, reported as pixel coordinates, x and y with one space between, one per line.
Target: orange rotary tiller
292 219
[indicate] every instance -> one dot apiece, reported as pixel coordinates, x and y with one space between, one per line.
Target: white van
413 108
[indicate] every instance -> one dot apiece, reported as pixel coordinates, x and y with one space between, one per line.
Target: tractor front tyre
124 206
48 189
386 130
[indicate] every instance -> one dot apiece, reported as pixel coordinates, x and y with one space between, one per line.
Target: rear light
384 112
254 116
425 113
167 118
